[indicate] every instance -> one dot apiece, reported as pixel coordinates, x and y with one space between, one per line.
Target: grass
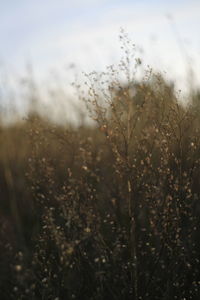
108 210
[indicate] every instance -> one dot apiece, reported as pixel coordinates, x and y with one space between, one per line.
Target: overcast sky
55 33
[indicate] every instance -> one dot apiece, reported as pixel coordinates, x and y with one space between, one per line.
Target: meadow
107 209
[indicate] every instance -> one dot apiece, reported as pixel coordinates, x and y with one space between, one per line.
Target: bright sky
55 33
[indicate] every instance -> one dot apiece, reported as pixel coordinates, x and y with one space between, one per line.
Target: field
107 209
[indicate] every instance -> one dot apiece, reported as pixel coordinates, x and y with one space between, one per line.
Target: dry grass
109 211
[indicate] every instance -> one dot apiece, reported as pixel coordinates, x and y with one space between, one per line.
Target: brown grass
107 211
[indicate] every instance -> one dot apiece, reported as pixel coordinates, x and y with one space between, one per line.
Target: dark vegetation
108 210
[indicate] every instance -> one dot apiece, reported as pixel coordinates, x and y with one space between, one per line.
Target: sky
54 34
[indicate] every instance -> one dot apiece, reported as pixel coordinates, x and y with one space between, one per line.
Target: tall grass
108 210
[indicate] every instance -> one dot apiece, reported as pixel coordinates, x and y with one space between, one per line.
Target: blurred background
54 41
